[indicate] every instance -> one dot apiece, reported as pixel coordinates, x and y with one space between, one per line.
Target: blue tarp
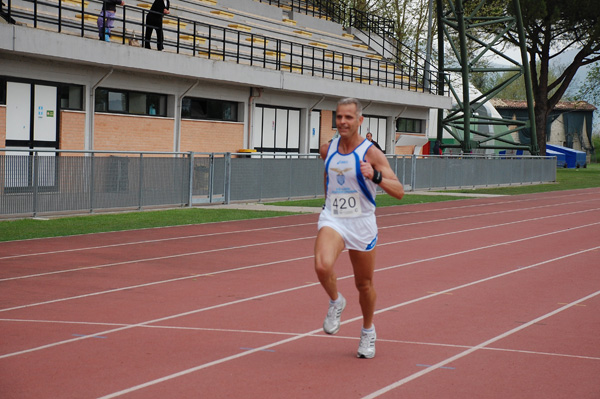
574 158
561 159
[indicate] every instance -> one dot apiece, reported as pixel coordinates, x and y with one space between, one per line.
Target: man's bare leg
328 247
363 264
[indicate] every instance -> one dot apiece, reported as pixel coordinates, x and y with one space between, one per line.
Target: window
377 126
276 129
409 125
205 108
71 96
130 102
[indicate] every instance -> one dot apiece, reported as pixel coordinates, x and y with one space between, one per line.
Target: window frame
128 98
416 125
209 104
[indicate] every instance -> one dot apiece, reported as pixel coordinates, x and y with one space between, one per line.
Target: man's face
347 121
369 137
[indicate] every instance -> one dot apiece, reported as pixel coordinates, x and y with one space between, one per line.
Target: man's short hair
351 100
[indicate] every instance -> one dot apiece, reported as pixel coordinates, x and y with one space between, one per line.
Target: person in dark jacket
154 20
370 138
109 9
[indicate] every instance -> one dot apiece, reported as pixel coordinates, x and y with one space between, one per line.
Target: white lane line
482 345
515 202
281 333
157 283
310 256
296 225
142 324
425 371
312 285
150 241
207 365
142 260
302 238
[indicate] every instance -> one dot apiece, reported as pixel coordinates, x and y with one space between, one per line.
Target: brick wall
72 130
132 133
204 136
327 132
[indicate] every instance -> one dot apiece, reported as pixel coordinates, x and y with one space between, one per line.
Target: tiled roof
499 103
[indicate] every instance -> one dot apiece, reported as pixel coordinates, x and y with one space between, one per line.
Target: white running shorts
359 233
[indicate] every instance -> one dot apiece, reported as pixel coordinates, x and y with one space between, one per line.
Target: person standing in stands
106 20
154 21
370 138
353 170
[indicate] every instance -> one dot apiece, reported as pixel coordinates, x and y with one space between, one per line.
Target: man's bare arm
376 160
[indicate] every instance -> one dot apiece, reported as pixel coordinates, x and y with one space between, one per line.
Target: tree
551 28
590 88
590 91
410 20
516 91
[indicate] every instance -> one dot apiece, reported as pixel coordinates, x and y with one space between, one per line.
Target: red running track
480 298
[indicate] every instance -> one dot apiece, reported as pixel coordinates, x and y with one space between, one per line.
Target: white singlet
350 202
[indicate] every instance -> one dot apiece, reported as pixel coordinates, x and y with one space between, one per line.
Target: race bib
346 205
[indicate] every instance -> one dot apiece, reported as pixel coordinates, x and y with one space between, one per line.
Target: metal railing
187 36
36 182
379 32
325 9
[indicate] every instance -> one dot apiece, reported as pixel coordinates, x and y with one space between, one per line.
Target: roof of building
499 103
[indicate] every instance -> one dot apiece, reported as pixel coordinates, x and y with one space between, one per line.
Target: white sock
337 301
370 330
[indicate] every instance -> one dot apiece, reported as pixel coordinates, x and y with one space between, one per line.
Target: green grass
567 179
56 227
73 225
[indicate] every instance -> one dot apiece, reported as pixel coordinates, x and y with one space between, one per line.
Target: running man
353 168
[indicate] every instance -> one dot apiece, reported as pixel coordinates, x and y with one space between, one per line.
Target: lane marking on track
308 257
563 303
311 285
80 268
429 365
321 336
378 393
298 225
487 214
482 345
570 229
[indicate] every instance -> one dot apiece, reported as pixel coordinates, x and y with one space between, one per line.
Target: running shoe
331 325
366 347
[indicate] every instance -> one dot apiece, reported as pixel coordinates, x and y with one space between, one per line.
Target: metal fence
58 181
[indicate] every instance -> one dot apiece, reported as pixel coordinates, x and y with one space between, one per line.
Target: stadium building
234 75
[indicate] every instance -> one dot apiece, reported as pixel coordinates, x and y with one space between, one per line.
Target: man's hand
366 169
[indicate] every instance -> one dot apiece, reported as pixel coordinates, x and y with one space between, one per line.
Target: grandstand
234 75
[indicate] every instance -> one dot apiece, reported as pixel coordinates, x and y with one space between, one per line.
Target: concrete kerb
257 206
264 207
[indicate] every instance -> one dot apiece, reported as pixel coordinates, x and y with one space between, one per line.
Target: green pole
441 76
460 16
534 148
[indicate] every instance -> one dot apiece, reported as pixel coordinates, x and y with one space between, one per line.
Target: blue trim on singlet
328 159
372 243
361 179
359 176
